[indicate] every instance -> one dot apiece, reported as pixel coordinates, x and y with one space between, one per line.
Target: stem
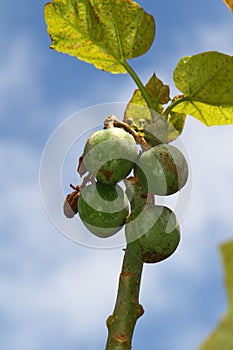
111 121
127 308
139 83
175 102
138 138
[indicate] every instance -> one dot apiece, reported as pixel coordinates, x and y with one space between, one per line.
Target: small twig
112 121
75 188
138 138
88 178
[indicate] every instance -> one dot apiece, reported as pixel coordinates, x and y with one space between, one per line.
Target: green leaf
206 80
207 114
176 125
222 337
137 107
105 33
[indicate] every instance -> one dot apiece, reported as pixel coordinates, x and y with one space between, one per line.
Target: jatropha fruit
110 154
103 208
162 170
156 132
156 230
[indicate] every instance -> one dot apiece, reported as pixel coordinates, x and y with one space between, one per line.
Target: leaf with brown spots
104 33
206 80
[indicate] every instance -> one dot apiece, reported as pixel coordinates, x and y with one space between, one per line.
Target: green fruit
156 230
103 208
156 132
110 155
162 170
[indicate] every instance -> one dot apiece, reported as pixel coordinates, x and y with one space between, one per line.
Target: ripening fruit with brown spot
157 231
162 170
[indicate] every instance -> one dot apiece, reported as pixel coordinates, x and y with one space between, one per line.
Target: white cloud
47 282
19 73
23 102
69 298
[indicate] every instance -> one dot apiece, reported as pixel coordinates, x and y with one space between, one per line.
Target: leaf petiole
177 100
139 84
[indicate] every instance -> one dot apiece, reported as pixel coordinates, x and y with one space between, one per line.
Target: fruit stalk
111 121
127 309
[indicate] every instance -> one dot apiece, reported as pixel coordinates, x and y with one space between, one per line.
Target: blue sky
55 294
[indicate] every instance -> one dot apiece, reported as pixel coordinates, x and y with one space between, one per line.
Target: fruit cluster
109 156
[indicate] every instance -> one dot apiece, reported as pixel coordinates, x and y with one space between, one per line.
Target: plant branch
127 308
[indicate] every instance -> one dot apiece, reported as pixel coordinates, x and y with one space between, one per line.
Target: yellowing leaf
137 108
222 337
229 4
105 33
208 114
227 256
206 80
176 125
